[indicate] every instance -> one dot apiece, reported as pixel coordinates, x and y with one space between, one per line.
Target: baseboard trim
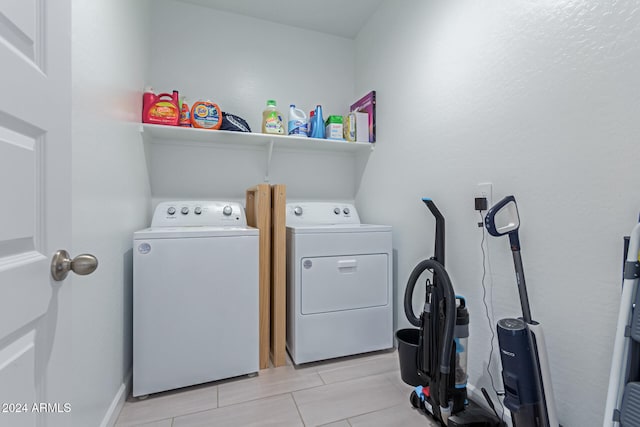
117 403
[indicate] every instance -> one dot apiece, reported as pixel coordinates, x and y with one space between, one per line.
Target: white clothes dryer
195 296
339 283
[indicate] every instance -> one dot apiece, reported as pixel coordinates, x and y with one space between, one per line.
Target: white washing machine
339 283
195 296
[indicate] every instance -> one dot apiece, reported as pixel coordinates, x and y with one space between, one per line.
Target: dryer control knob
346 211
184 210
197 210
297 210
336 211
171 210
227 210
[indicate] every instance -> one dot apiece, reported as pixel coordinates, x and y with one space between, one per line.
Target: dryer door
343 283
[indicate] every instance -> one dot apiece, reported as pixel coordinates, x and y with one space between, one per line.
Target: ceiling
342 18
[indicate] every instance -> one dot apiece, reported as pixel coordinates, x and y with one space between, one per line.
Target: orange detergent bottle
185 113
206 115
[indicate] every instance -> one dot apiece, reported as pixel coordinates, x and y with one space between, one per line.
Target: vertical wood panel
278 275
258 210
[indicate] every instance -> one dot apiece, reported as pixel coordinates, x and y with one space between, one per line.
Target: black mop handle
522 287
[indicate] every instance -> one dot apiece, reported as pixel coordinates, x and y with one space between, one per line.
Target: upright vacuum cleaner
525 367
433 358
623 398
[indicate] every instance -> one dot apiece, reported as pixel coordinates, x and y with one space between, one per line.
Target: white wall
541 99
111 198
239 63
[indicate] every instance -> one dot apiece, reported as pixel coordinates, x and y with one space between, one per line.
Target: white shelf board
176 135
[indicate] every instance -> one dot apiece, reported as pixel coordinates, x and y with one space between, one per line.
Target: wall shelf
178 140
216 138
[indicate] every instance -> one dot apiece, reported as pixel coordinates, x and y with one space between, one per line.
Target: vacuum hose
449 310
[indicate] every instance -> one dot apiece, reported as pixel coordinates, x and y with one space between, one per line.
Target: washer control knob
184 210
297 210
197 210
346 211
171 210
336 211
227 210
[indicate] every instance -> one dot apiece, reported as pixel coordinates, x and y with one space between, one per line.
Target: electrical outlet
485 189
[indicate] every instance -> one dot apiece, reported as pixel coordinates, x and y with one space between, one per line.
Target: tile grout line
317 371
275 395
173 418
381 408
321 379
373 412
297 408
361 376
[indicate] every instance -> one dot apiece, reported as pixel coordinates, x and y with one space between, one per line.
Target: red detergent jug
161 109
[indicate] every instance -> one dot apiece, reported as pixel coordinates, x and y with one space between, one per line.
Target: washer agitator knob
297 210
227 210
171 210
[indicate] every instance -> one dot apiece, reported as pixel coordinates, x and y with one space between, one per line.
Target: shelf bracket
269 154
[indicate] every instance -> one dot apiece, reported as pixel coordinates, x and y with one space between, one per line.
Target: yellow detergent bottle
272 119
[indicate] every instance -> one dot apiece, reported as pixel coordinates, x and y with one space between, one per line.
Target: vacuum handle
490 222
522 287
489 219
438 254
432 207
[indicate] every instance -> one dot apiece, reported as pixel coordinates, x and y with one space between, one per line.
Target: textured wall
541 99
240 62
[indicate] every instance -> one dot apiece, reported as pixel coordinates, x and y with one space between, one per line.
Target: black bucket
408 340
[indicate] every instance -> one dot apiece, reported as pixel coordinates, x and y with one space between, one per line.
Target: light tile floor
350 392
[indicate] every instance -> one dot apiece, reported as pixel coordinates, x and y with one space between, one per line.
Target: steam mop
623 398
525 366
433 358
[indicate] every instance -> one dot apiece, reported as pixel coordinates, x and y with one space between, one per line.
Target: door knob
61 264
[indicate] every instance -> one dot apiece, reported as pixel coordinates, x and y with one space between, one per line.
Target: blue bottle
317 127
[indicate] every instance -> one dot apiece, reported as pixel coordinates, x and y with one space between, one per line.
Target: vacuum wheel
415 400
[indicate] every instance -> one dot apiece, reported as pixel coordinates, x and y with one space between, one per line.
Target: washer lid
193 232
339 228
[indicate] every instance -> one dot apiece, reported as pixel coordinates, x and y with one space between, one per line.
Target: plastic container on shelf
310 126
317 126
206 115
185 113
161 109
272 119
349 126
333 128
298 124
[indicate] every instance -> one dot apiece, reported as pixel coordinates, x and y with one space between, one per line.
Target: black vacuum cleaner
433 358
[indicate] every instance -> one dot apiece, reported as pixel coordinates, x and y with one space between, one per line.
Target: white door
35 202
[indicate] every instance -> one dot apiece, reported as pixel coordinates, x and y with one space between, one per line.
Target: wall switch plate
485 189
